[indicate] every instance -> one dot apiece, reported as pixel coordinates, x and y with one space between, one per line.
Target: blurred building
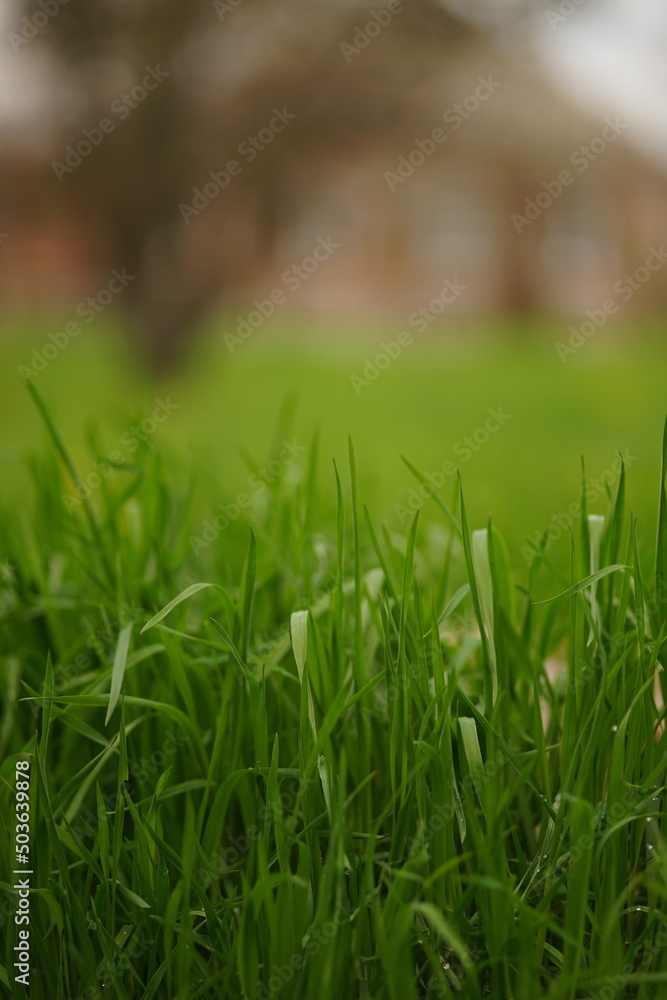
409 139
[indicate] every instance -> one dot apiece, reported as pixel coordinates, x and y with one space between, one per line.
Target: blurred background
382 221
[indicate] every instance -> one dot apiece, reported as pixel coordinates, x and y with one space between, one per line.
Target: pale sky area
610 56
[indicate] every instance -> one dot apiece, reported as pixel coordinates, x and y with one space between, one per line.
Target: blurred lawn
610 396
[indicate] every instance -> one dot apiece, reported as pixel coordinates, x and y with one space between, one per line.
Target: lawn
230 409
266 734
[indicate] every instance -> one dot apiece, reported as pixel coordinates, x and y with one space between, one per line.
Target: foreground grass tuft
320 759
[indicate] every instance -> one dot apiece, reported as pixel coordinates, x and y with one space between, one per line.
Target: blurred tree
218 70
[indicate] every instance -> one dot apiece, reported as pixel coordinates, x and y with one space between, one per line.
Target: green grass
608 397
331 757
